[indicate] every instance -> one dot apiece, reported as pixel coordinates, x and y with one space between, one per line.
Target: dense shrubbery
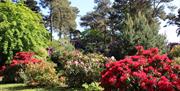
32 71
58 51
80 68
11 72
147 70
40 74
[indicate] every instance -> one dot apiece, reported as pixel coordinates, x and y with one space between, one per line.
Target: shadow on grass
20 87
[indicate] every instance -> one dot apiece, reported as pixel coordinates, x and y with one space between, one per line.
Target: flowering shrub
80 68
41 74
11 72
175 51
145 71
24 58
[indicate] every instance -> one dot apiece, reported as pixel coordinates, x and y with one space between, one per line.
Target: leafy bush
11 73
41 53
176 61
21 29
175 52
40 74
81 68
145 71
59 49
94 86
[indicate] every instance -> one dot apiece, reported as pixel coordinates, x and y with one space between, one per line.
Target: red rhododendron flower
147 70
22 58
165 85
2 68
154 51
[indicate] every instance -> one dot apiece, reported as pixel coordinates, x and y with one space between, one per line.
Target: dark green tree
97 21
152 9
32 4
177 22
137 31
175 19
93 41
21 29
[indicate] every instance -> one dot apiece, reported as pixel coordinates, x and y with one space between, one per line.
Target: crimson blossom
145 71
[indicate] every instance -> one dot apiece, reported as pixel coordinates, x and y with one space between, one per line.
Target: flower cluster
24 58
147 70
20 58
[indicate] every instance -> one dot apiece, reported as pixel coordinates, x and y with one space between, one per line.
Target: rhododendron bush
145 71
11 72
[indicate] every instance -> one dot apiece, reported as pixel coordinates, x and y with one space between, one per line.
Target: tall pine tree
62 16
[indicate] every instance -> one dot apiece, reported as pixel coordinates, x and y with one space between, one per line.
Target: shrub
145 71
94 86
176 61
11 73
59 49
81 68
41 53
175 52
40 74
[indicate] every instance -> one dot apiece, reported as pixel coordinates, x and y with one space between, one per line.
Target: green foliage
177 20
60 48
93 41
98 34
81 68
20 30
62 16
98 19
137 31
41 74
32 4
62 44
175 52
94 86
41 53
176 61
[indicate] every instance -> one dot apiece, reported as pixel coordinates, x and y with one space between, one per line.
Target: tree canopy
62 16
21 29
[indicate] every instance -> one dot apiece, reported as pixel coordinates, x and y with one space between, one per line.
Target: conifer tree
137 31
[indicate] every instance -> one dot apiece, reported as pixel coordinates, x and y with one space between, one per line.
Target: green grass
23 87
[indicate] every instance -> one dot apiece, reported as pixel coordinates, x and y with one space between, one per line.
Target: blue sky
87 5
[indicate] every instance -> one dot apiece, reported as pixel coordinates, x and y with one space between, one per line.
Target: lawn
23 87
